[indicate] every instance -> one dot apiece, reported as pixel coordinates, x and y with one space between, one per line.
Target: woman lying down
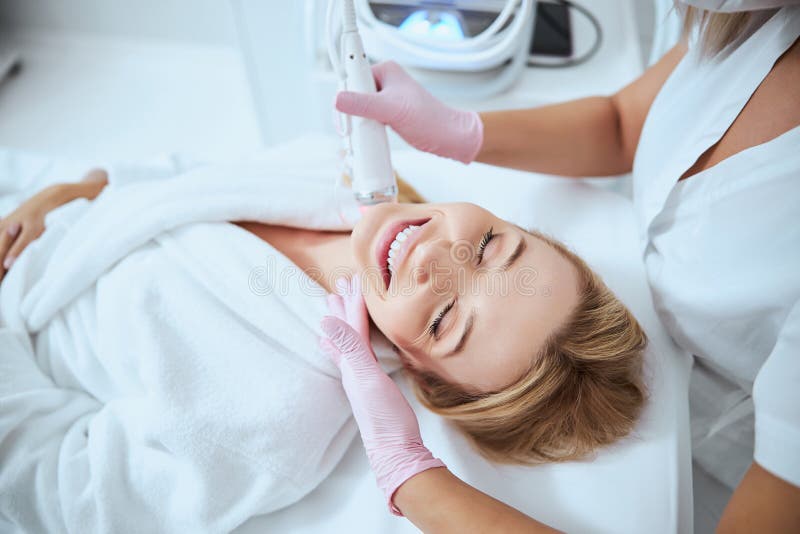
161 368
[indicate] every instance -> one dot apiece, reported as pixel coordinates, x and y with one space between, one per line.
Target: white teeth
395 246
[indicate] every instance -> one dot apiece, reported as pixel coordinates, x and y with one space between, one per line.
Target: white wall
197 21
289 74
125 79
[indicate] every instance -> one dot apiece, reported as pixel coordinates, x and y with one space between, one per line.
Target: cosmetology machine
453 38
562 33
455 43
367 150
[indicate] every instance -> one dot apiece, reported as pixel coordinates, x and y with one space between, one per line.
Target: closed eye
433 329
487 237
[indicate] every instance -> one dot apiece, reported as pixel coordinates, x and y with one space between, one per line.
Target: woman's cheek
380 317
386 323
401 328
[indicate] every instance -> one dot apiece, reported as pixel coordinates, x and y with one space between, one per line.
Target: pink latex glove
388 425
422 120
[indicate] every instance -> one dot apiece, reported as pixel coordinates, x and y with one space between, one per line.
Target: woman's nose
430 261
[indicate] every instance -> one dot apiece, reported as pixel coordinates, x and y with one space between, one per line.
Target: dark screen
552 35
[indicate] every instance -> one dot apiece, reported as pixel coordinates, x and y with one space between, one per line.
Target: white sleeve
776 394
69 463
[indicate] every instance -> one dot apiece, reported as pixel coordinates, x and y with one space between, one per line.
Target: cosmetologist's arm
438 502
595 136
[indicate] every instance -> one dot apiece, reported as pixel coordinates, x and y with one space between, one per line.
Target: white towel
160 369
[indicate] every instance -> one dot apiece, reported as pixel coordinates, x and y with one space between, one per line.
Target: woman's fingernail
13 230
9 261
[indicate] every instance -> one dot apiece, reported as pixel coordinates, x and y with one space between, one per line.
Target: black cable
571 62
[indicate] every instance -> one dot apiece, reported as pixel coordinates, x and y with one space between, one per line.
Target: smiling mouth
392 245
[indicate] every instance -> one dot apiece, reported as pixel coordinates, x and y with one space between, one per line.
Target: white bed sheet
642 484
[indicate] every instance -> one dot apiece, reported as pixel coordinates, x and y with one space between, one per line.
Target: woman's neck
323 256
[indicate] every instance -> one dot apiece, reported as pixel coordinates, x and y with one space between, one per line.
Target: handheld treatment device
372 176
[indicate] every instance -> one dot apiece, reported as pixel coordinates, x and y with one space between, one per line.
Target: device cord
571 62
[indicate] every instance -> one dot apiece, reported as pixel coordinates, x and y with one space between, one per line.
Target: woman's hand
388 425
26 223
421 119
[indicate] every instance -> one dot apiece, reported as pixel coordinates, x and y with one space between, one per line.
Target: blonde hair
718 30
584 389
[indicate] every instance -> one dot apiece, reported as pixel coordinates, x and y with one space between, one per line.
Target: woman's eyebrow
467 331
518 250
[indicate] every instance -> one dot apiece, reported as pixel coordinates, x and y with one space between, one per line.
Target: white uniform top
722 254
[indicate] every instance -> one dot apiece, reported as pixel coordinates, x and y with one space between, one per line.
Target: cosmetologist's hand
388 425
416 115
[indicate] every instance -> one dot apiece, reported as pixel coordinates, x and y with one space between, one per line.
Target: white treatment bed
642 484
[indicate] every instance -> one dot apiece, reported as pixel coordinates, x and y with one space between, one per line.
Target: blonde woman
711 135
158 354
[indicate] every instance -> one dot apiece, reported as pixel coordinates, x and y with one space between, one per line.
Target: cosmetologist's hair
717 30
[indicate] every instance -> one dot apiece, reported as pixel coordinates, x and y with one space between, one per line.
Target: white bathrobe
159 368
